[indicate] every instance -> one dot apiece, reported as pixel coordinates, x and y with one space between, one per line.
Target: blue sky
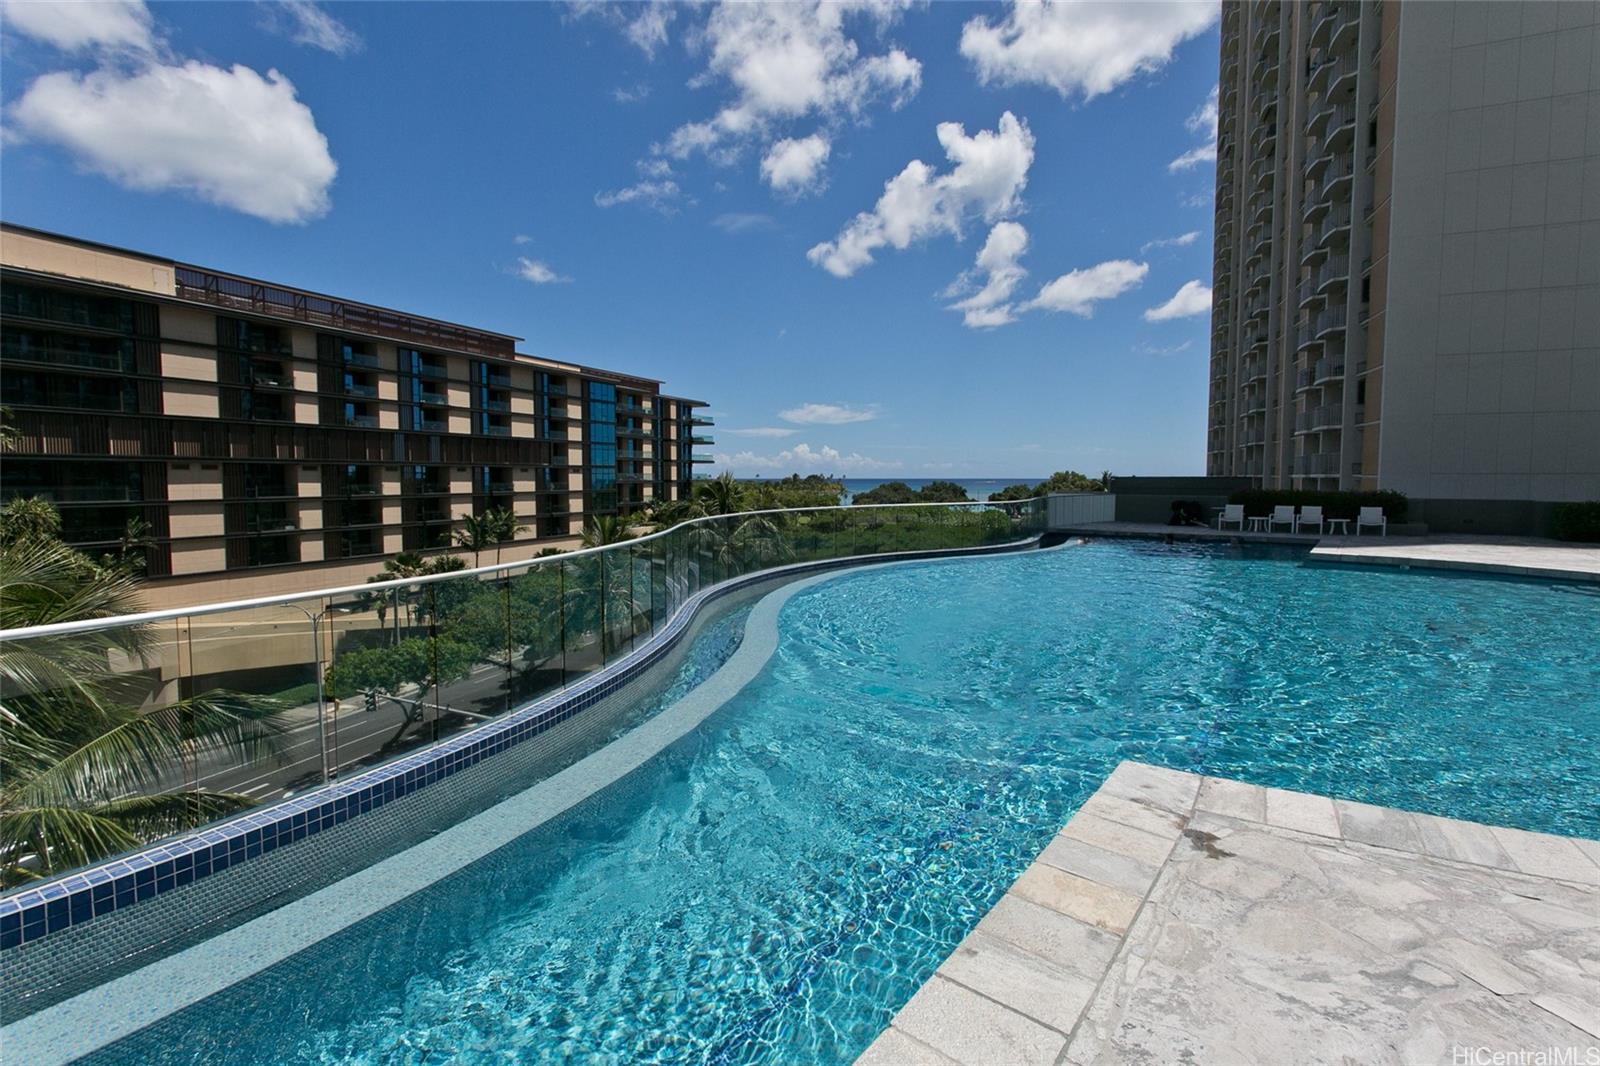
879 240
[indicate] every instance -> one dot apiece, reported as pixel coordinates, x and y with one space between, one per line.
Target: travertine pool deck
1505 555
1522 556
1186 919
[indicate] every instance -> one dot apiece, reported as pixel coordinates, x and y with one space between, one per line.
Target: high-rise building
1407 272
267 439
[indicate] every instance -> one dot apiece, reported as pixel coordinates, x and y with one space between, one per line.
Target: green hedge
1334 504
1578 521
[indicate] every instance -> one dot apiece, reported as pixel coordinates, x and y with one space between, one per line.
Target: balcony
431 425
362 359
1320 464
271 379
1315 419
501 406
432 371
356 388
432 399
698 439
1335 226
1331 77
361 421
495 429
500 379
1328 369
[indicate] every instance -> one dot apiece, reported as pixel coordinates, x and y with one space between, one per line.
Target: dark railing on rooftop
244 294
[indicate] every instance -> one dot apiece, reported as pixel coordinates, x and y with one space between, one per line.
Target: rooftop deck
1186 919
1524 556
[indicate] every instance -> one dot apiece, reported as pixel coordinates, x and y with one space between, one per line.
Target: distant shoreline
979 488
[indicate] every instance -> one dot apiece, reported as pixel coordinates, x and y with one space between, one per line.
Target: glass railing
245 703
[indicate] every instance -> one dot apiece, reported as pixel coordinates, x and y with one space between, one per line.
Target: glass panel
249 705
580 604
377 649
617 578
536 632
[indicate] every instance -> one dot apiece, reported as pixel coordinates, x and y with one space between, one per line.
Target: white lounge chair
1233 512
1282 515
1309 516
1372 516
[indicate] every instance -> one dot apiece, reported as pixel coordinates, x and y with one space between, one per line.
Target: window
71 308
89 352
90 393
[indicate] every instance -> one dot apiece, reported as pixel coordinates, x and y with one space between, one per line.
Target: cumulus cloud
1077 292
760 431
828 414
303 22
229 136
786 62
1079 47
803 457
1182 240
1202 123
72 27
989 172
1194 298
994 277
794 166
537 271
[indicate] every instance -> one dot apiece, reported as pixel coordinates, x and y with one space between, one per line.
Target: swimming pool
774 886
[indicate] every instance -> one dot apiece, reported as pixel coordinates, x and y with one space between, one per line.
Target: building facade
271 440
1407 256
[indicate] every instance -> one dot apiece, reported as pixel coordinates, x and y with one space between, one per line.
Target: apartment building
272 439
1407 260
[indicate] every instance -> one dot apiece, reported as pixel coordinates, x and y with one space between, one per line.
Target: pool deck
1180 918
1521 556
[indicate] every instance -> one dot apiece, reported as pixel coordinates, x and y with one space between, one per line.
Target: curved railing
157 723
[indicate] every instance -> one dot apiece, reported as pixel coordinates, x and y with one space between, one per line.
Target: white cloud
1182 240
804 458
303 22
1151 349
1194 298
743 221
521 238
229 136
1204 123
1081 48
648 30
795 166
623 95
828 414
789 61
997 265
760 431
656 189
990 171
1078 291
643 24
537 271
106 24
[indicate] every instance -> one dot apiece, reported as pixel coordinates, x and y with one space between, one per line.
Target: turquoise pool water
775 885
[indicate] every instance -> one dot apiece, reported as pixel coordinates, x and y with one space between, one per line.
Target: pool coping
1050 946
33 913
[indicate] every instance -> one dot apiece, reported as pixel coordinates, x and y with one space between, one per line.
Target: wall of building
1492 344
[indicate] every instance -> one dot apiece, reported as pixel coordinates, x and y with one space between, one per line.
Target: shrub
1333 504
1578 521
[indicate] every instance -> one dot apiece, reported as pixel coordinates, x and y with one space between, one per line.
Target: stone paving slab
1178 918
1526 557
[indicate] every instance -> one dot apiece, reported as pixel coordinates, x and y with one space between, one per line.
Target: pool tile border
39 911
1070 912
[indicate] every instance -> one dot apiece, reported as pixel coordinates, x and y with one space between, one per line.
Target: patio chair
1233 512
1282 514
1372 516
1310 515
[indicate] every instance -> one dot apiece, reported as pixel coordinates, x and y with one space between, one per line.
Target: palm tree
84 772
720 495
480 532
603 529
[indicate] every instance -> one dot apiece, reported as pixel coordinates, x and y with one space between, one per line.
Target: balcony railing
355 388
361 421
362 359
1328 369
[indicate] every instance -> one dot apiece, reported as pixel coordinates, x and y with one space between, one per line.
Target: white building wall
1492 348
